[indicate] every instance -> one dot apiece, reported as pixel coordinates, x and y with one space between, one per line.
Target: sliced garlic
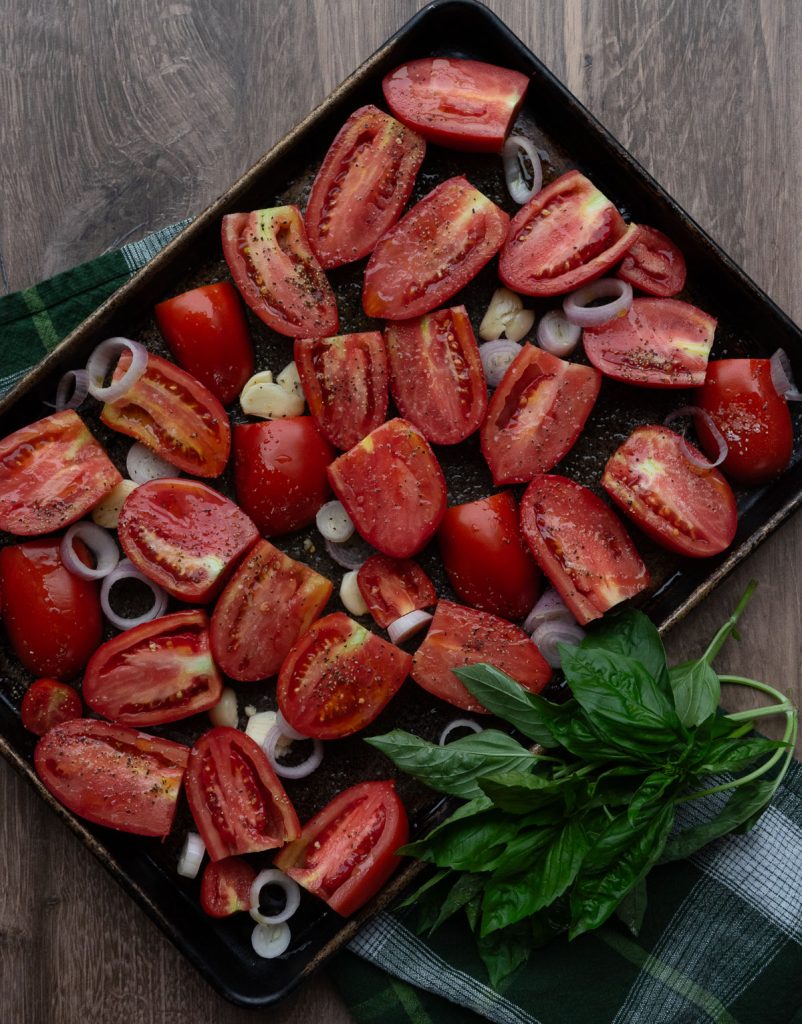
506 317
107 512
351 595
290 380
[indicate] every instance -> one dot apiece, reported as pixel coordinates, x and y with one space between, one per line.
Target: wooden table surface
119 118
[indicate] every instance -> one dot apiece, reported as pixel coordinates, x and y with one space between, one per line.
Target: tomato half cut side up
226 886
112 775
566 235
654 264
460 636
344 380
392 587
436 375
462 104
434 250
51 473
174 415
362 186
46 703
338 678
536 414
392 487
581 546
277 273
660 343
155 673
236 799
347 852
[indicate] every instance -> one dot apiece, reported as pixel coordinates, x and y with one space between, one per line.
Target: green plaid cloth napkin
722 940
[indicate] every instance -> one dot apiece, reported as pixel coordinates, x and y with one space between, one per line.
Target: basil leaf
415 897
733 755
634 635
518 792
697 691
468 844
507 699
466 889
519 852
504 951
653 788
632 908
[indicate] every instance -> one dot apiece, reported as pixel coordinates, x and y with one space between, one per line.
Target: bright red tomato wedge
174 415
566 235
48 702
185 536
112 775
462 104
660 343
460 636
536 414
362 186
207 333
436 375
654 264
51 473
236 799
277 273
226 886
434 250
269 603
347 851
393 488
155 673
345 383
392 587
338 678
581 546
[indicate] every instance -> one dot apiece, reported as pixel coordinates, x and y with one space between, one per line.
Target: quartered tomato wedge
277 273
392 587
654 264
155 673
113 775
362 186
184 536
48 702
460 636
436 375
566 235
51 473
338 678
226 886
679 505
392 487
462 104
434 250
536 414
660 343
268 604
345 383
236 799
174 415
346 852
581 546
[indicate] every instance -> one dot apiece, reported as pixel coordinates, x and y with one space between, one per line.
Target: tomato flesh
48 702
392 587
226 886
654 264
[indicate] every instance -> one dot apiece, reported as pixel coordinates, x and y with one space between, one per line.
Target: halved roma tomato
536 414
362 186
338 678
345 383
392 487
434 250
487 563
654 264
51 473
684 508
460 636
392 587
277 273
184 536
660 343
226 886
113 775
347 851
236 799
155 673
174 415
268 604
48 702
462 104
436 375
581 546
566 235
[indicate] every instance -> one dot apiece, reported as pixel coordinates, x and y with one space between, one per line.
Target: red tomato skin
436 375
487 563
226 886
654 264
48 702
346 852
392 587
462 104
681 507
207 333
372 163
752 416
52 618
51 473
280 473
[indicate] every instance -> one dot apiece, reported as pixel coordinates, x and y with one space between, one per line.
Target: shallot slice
101 545
549 634
408 625
497 356
143 465
191 856
557 335
697 460
515 154
578 310
334 522
103 361
271 940
72 390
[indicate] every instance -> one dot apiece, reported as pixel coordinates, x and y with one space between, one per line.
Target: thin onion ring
515 175
549 607
104 359
100 543
292 896
295 771
143 465
782 377
79 379
458 723
351 554
578 311
127 570
699 461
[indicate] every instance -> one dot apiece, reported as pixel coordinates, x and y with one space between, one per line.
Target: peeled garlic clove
520 325
351 595
107 512
290 380
269 401
503 307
